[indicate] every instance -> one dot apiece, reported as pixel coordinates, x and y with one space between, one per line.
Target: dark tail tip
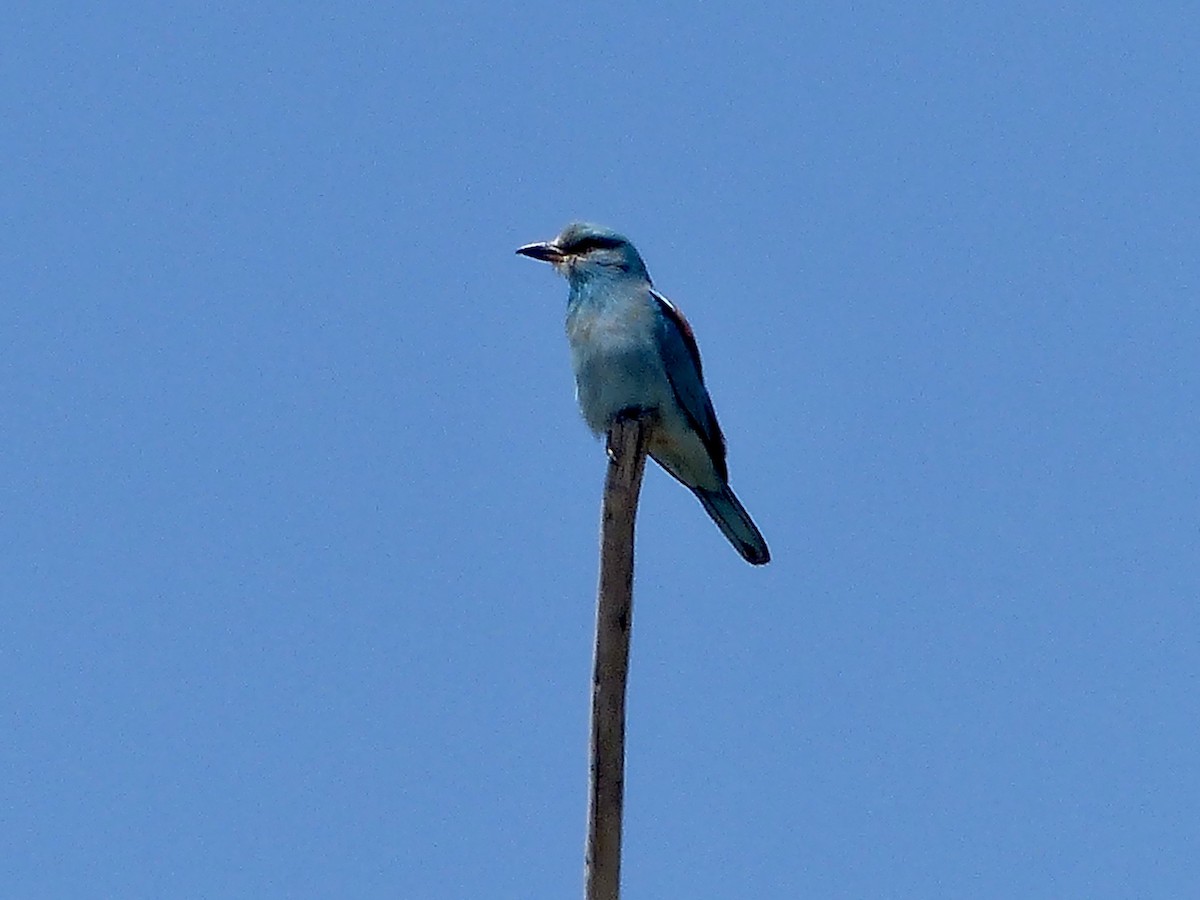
735 523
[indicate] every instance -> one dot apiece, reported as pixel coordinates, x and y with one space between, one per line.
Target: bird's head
583 251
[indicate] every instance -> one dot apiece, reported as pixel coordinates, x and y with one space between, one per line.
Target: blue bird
632 350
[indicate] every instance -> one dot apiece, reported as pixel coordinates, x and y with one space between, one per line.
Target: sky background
299 518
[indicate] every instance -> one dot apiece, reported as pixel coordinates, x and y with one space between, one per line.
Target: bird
632 351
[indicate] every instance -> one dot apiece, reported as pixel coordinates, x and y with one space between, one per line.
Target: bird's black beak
543 250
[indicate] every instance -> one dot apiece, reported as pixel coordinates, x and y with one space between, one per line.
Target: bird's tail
735 523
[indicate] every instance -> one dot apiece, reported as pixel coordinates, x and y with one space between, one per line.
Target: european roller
632 350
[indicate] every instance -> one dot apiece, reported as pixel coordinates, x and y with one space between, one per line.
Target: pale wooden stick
614 620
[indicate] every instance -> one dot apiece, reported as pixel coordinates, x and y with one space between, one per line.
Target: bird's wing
681 358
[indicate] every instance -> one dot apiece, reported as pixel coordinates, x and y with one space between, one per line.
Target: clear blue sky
299 518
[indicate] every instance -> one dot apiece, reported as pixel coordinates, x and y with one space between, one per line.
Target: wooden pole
614 621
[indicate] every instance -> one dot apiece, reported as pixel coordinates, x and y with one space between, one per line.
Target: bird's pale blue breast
613 333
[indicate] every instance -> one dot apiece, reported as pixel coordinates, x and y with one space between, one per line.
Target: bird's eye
596 242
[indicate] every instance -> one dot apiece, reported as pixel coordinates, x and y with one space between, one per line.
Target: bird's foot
626 415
